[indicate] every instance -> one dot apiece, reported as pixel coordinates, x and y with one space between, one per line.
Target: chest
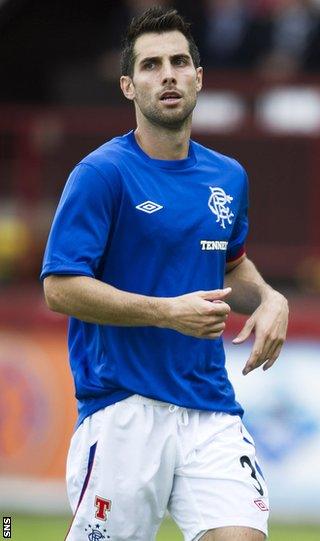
171 206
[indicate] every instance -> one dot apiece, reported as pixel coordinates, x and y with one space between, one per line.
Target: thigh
236 533
220 484
119 474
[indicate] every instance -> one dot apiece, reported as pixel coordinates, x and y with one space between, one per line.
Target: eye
149 65
180 61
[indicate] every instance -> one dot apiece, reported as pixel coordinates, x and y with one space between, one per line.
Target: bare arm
201 314
268 309
248 287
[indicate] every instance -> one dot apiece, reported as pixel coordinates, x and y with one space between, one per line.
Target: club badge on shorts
103 506
95 534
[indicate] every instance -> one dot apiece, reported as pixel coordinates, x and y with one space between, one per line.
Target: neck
163 143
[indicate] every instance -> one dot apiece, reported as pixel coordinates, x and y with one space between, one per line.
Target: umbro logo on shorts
261 505
149 207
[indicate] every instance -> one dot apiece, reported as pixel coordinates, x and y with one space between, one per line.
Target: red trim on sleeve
237 255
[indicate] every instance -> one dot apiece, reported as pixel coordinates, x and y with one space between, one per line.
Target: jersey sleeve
236 245
81 225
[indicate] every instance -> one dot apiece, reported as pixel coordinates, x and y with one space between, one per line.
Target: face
165 83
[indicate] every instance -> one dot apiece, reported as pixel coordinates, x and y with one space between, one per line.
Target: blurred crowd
262 34
275 38
66 52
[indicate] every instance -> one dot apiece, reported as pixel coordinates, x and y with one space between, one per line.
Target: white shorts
133 460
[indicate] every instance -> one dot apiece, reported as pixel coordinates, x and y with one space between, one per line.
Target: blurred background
59 99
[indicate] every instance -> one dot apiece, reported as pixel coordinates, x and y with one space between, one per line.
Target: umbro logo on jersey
149 207
218 205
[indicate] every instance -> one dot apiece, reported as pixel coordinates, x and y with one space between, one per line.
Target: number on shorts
246 460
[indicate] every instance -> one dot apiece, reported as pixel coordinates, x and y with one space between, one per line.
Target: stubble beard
169 119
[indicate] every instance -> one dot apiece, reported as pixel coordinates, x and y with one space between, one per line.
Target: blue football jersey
155 227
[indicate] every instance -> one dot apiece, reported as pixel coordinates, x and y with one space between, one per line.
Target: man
146 228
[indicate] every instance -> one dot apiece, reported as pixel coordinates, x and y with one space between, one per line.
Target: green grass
40 528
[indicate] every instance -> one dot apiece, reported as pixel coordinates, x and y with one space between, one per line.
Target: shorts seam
196 506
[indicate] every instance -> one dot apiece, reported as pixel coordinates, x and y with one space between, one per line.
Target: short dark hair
156 19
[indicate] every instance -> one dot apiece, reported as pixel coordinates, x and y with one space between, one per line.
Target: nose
168 74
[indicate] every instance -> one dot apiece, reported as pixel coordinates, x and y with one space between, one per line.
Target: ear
199 78
127 87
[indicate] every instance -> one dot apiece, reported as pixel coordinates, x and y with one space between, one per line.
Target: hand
269 323
201 314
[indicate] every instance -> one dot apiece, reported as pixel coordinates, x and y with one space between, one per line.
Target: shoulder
98 173
106 160
216 159
109 154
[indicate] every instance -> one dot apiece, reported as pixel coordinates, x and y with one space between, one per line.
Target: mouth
170 97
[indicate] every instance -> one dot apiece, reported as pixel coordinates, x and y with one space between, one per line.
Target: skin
233 533
163 129
269 313
93 301
163 64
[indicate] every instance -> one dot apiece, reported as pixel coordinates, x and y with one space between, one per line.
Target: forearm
268 311
194 314
249 289
93 301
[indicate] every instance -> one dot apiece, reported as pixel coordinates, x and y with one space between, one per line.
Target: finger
215 294
211 310
209 333
219 309
210 322
264 349
273 357
245 332
213 335
268 348
216 328
271 347
256 357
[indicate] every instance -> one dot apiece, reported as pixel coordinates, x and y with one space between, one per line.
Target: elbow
52 294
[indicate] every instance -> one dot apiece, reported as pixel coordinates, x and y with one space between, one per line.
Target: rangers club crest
95 534
217 203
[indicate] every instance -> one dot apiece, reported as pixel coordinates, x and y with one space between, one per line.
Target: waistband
137 398
172 408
